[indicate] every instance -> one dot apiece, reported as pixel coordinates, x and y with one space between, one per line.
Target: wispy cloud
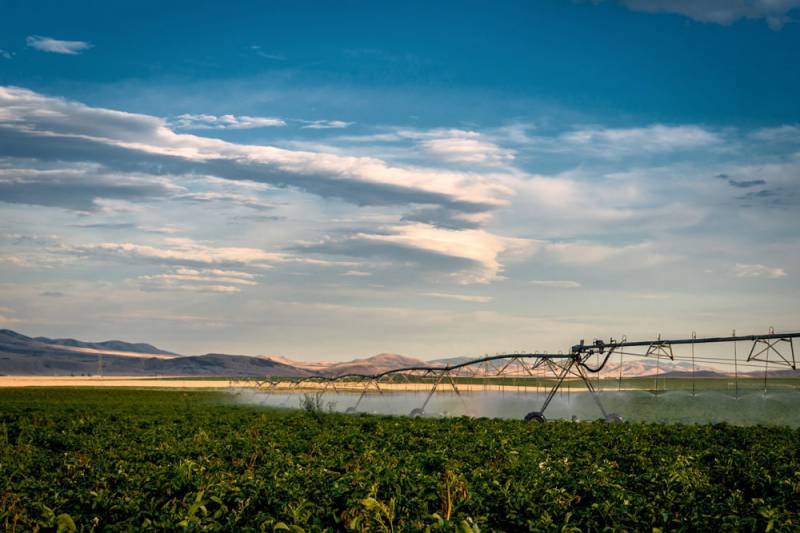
224 122
260 52
472 254
197 280
5 317
356 273
459 297
466 147
740 184
325 124
593 253
211 275
656 138
556 284
166 285
53 129
784 133
78 186
758 271
179 251
5 54
57 46
192 254
444 144
246 200
724 12
52 294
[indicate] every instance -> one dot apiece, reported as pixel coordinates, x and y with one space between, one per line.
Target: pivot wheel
350 410
416 412
613 418
535 416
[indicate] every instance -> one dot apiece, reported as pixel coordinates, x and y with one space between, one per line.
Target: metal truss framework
551 369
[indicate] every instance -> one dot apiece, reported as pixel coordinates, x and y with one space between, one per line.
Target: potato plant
116 460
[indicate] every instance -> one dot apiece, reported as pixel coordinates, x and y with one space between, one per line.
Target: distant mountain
642 367
368 365
374 365
315 366
688 374
119 346
23 355
450 361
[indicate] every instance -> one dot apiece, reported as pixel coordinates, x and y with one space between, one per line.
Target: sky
329 180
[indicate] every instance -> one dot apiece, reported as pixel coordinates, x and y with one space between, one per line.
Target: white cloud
181 251
6 317
476 246
5 54
210 275
6 320
724 12
325 124
356 273
581 253
656 138
444 144
79 186
246 200
758 271
156 285
56 46
466 147
556 284
460 297
53 126
224 122
640 255
190 253
54 129
197 280
784 133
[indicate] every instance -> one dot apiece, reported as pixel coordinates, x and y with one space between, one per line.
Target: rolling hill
117 346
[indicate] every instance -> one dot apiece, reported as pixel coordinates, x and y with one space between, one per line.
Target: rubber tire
535 416
613 418
416 412
350 410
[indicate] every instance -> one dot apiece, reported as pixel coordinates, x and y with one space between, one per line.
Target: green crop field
110 459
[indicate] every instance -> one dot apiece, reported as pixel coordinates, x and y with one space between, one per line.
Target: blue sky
328 180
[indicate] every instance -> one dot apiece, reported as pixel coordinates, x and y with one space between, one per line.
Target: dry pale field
194 383
122 381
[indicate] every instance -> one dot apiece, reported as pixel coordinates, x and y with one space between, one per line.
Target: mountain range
43 356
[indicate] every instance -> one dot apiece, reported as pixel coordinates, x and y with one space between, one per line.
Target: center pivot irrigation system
769 349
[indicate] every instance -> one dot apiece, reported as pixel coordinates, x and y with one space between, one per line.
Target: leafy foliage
153 460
